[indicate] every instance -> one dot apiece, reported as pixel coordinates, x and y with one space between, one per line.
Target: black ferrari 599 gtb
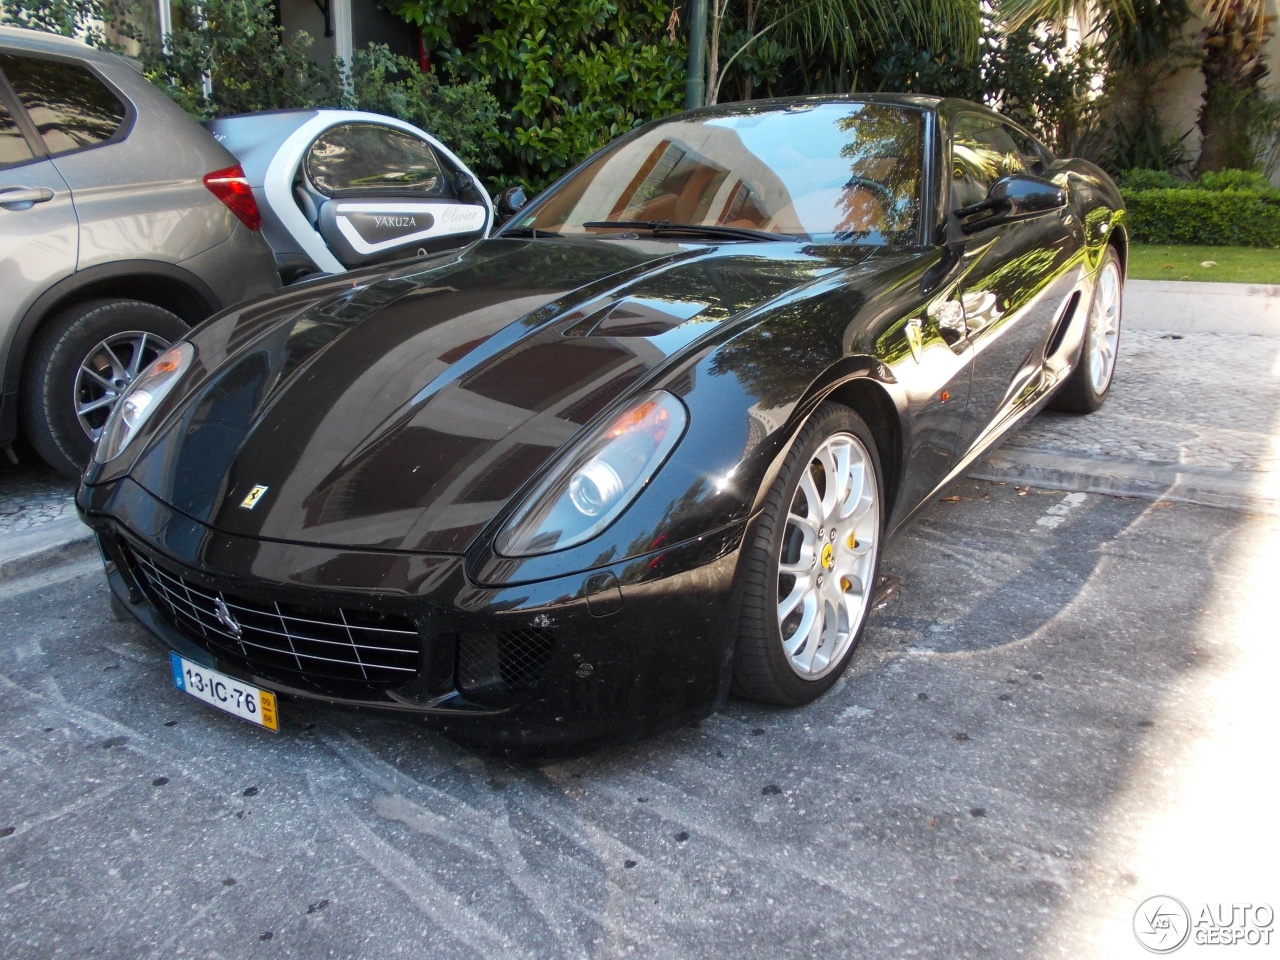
638 450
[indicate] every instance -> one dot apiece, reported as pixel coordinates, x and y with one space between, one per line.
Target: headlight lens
141 399
586 492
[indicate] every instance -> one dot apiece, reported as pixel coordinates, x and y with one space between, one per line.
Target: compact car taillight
231 186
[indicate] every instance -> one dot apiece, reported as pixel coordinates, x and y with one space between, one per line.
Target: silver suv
122 222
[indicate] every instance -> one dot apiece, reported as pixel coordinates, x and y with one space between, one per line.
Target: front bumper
579 660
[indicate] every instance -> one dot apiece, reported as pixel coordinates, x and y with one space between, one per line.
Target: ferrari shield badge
251 501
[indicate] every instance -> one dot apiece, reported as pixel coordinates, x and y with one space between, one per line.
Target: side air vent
498 664
1060 329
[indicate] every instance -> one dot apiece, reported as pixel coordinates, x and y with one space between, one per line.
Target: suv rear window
13 148
70 107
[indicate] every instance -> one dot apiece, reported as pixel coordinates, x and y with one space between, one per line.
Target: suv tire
65 399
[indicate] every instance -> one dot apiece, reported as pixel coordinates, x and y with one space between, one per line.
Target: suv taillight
231 186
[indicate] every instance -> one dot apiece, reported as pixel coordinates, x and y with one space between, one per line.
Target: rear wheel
82 361
1086 389
811 568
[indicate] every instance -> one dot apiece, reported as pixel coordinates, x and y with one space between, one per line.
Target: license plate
225 693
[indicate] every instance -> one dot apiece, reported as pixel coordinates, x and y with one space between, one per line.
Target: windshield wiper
660 227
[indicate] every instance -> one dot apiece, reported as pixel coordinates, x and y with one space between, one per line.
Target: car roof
36 41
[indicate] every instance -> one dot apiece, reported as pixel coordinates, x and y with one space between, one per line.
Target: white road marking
1059 512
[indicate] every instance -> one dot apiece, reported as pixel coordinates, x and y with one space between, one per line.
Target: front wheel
1086 388
810 569
82 362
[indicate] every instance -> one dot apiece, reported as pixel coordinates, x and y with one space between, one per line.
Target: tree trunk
1233 71
713 57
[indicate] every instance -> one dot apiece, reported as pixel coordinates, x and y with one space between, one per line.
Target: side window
367 160
13 148
981 153
70 107
1028 149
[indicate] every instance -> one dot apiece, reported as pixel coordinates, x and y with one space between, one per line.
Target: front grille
505 662
286 641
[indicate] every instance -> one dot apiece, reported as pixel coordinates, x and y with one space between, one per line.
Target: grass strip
1221 264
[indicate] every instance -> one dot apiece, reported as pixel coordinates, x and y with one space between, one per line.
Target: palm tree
829 37
1233 71
1231 46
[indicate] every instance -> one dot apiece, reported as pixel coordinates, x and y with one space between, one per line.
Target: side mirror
510 201
1015 197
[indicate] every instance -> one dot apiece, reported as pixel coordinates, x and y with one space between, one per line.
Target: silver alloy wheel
828 554
1104 326
106 372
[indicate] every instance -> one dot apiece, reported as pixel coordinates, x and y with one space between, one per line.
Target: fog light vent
503 662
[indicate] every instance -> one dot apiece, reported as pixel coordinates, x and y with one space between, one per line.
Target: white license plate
225 693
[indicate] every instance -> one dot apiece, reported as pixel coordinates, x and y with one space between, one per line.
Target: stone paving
1193 417
1197 399
32 495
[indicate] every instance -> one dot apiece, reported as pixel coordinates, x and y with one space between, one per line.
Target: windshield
847 172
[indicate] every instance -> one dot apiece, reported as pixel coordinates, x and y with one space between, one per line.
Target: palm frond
1247 15
839 28
1016 13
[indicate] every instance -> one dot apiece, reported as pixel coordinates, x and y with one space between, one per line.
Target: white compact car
340 189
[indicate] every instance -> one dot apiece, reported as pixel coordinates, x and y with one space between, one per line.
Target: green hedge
1188 215
1225 208
570 75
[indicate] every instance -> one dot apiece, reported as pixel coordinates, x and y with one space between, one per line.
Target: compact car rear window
70 106
365 159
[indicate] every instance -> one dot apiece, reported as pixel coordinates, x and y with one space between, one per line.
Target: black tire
1079 393
66 342
763 669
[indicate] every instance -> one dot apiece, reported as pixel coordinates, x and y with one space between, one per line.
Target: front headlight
586 492
141 399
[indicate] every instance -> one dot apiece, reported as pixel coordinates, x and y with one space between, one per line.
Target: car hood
405 412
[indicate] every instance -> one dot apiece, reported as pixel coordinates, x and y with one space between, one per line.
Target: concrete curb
47 545
1207 486
1193 307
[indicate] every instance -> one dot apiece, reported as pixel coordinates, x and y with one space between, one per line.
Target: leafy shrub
1147 180
1235 180
1028 74
573 74
1143 141
1204 217
463 115
248 63
70 18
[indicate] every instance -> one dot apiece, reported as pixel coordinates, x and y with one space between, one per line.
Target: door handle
915 339
23 197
